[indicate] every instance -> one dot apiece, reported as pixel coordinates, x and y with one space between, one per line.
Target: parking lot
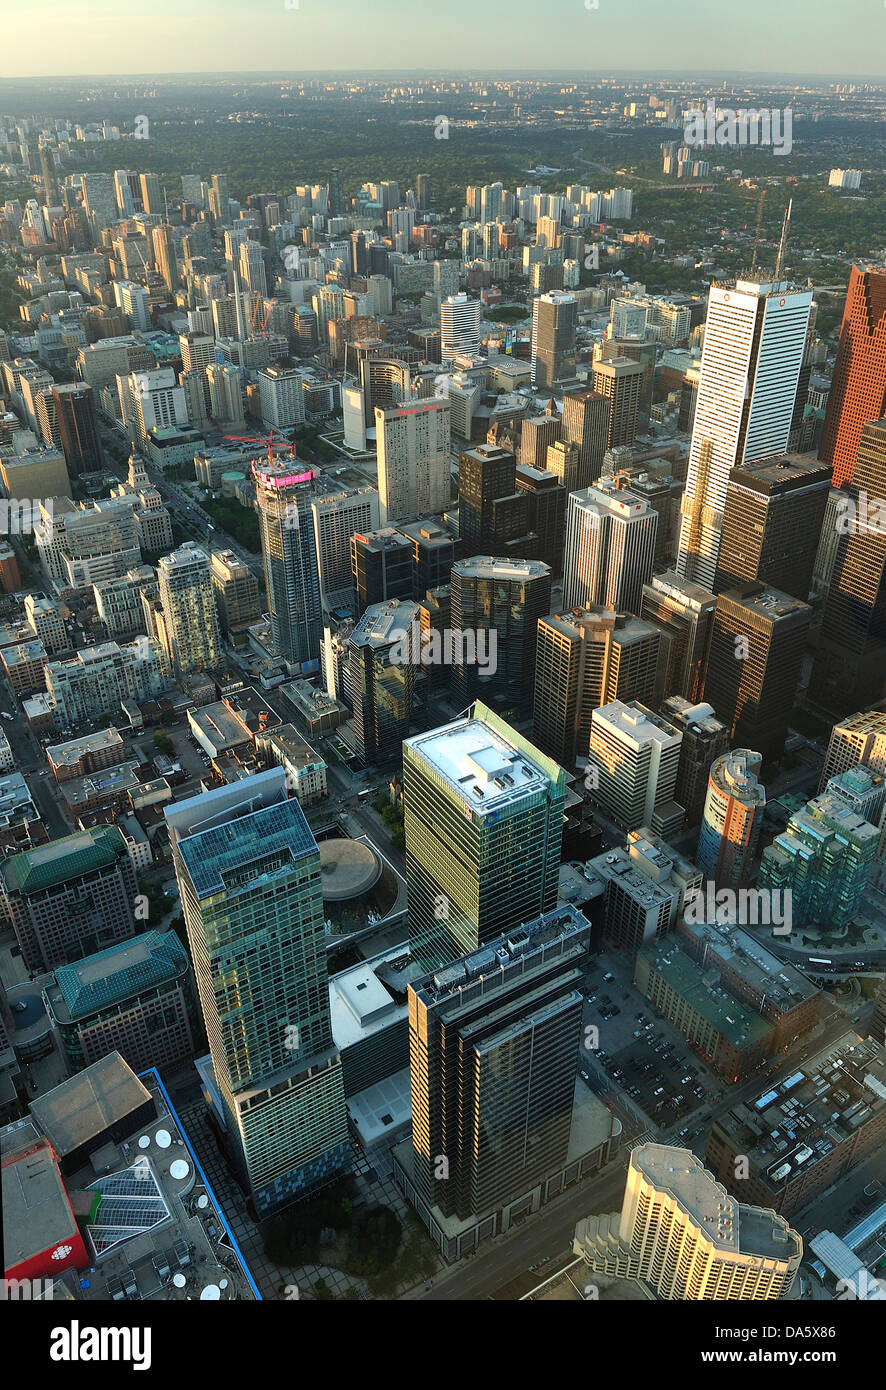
642 1058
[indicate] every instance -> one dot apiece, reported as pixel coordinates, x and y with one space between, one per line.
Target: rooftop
701 989
35 870
89 1103
480 761
119 973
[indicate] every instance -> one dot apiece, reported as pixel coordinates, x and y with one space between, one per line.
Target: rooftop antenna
786 226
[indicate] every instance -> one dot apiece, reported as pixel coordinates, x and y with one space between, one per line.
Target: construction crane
268 444
759 226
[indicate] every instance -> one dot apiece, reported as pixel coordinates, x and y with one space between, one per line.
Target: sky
840 38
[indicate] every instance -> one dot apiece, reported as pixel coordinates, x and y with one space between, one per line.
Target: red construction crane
264 444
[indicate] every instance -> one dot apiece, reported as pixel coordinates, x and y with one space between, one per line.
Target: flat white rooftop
478 764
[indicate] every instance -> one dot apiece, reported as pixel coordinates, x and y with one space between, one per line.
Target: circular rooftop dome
349 869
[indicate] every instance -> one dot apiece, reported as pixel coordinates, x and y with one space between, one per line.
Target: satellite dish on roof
179 1169
223 1283
144 1141
163 1138
211 1292
202 1200
179 1280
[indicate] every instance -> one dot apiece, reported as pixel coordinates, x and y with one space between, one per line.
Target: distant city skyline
368 38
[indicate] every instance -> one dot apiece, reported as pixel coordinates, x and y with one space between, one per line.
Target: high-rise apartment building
682 1233
484 824
188 600
684 614
413 459
824 859
459 326
860 739
248 870
585 659
281 397
772 519
756 654
633 757
858 384
283 498
732 819
337 517
755 337
496 607
620 382
554 317
610 546
586 422
236 594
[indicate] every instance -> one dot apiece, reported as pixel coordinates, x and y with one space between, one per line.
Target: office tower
553 338
218 198
858 384
705 739
682 1233
732 819
134 998
281 397
189 611
381 566
850 664
151 195
546 513
620 382
585 659
164 255
859 740
423 192
283 498
459 326
610 546
757 645
537 434
252 268
51 195
496 605
383 654
78 427
646 885
823 859
493 516
135 302
484 824
337 517
636 754
99 202
248 870
586 422
863 791
562 459
755 337
772 519
70 897
236 593
434 551
684 614
336 194
413 459
225 382
492 1042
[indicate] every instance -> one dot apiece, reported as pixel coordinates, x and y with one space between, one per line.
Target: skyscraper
459 326
850 664
189 610
754 666
732 819
496 605
772 519
382 681
493 515
860 739
248 870
413 459
824 859
620 382
610 546
586 659
484 824
586 418
684 614
553 338
858 384
636 755
680 1231
78 427
705 738
283 497
755 335
492 1042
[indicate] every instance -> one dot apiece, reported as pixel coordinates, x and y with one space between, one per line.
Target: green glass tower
824 860
248 870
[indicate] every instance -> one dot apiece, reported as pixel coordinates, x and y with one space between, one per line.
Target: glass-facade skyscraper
283 494
248 870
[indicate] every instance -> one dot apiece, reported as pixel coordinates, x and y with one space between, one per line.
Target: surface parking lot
645 1058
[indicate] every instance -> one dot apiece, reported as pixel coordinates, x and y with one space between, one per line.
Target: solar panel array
131 1203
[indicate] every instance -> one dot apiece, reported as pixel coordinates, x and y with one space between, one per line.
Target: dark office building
78 427
850 665
423 192
493 515
505 598
772 523
493 1039
683 611
858 385
336 194
705 738
359 256
434 551
546 513
381 564
757 646
537 434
